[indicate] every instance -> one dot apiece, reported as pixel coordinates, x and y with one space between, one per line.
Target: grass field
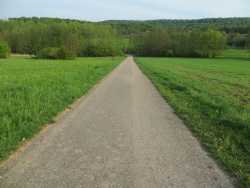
212 96
32 92
236 54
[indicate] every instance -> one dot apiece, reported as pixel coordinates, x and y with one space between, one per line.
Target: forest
55 38
236 29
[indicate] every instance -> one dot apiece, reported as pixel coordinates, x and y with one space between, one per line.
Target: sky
97 10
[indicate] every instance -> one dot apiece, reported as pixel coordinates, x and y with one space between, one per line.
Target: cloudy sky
96 10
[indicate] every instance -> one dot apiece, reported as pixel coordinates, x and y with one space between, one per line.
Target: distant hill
127 27
229 25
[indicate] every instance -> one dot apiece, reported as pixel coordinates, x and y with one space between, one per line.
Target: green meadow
32 92
212 96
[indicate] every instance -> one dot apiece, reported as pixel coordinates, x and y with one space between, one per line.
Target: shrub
4 49
48 53
56 53
65 53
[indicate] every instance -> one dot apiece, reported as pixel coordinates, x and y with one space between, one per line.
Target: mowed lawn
32 92
212 96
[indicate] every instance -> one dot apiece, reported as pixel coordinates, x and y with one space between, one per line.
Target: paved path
122 135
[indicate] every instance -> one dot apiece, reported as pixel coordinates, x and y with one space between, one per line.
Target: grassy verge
32 92
212 96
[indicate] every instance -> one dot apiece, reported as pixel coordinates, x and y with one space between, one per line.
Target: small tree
248 41
211 43
4 50
217 43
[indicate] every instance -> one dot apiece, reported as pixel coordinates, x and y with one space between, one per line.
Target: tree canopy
30 36
169 42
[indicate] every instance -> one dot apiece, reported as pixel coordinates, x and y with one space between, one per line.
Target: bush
65 53
4 50
56 53
48 53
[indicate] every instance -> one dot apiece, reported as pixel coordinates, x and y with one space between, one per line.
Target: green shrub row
55 53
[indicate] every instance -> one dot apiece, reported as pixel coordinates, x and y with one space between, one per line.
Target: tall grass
32 92
212 96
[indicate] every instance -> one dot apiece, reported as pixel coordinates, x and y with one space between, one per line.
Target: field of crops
33 91
212 96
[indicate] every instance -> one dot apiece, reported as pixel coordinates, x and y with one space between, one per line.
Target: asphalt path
121 135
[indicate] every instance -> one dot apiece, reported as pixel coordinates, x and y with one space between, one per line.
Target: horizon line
136 20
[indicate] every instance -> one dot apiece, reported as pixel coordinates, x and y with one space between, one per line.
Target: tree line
65 39
228 25
58 38
179 43
235 29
